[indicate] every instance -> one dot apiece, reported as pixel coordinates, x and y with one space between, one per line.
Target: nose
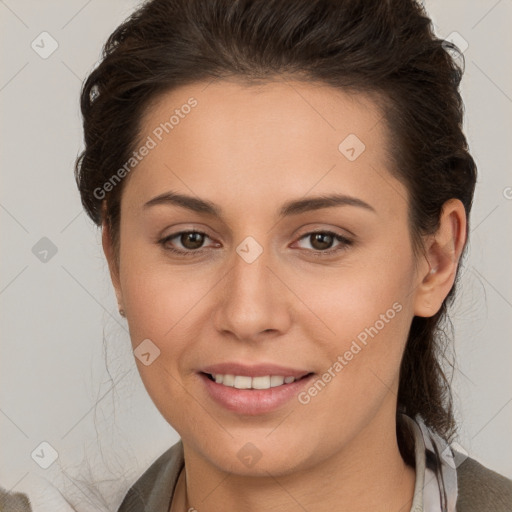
252 302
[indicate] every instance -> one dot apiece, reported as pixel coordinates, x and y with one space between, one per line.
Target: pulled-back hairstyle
383 48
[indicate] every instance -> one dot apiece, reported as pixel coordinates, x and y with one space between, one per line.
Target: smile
252 396
246 382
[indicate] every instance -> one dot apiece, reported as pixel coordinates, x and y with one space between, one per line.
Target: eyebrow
289 208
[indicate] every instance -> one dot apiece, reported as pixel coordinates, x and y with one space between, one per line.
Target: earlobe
442 254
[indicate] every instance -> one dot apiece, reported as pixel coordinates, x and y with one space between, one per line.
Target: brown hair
384 48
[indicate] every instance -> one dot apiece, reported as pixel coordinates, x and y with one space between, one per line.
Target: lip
258 370
253 402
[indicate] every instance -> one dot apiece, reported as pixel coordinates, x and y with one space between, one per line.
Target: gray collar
436 476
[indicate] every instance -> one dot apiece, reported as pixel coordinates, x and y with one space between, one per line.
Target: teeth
276 381
245 382
261 382
242 382
227 380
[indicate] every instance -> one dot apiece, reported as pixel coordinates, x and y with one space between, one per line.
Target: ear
442 254
113 264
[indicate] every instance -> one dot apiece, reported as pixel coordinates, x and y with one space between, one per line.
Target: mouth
253 383
252 396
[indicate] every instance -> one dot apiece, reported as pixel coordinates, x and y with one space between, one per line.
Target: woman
284 191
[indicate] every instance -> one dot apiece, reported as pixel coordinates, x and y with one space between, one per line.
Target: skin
249 150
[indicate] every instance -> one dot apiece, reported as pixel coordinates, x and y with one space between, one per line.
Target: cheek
162 307
361 320
353 298
167 305
159 297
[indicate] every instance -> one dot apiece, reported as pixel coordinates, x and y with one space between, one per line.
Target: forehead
260 140
249 112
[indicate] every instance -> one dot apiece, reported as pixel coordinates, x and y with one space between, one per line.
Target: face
273 274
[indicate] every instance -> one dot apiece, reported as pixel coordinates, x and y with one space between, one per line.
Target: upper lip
255 370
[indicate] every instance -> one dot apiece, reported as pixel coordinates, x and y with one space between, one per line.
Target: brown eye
192 240
187 243
321 241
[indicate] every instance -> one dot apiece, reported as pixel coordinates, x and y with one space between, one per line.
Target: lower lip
254 401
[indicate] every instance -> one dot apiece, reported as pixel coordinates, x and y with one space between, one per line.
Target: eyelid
331 231
316 227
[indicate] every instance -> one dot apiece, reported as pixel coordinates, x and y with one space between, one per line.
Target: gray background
59 317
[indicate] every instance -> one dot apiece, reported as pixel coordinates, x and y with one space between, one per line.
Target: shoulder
155 487
480 488
37 494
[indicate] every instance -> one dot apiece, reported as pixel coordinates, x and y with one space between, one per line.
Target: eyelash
344 243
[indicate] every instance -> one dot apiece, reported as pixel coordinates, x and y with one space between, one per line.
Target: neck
370 474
